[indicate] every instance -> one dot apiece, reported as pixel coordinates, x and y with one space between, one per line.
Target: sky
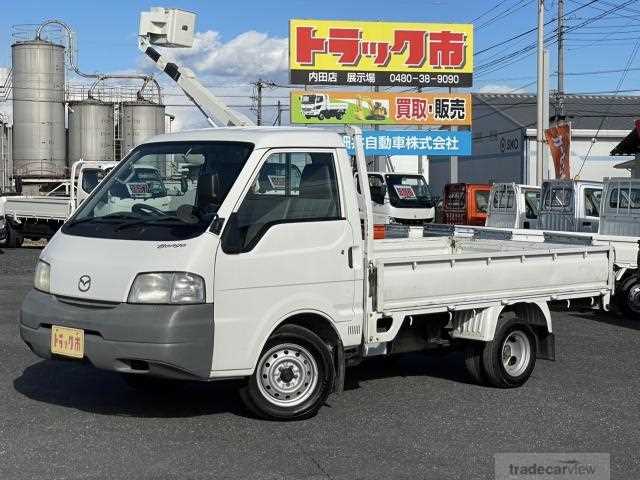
239 42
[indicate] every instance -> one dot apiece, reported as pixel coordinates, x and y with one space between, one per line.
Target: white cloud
246 57
227 69
496 88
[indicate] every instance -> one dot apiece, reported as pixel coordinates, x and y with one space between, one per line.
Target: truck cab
570 205
512 205
620 207
465 203
403 198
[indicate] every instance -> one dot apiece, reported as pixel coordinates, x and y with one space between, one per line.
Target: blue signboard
413 142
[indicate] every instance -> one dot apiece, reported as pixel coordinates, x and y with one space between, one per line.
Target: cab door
286 249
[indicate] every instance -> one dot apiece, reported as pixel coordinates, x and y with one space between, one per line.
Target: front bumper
172 341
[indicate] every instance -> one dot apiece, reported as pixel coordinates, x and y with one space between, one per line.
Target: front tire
293 376
509 359
630 298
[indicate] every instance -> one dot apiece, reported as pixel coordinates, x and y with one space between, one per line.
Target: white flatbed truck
40 216
285 288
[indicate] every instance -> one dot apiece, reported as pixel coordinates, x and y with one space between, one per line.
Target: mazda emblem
84 283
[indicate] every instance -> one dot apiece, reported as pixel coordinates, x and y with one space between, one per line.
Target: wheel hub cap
287 375
516 353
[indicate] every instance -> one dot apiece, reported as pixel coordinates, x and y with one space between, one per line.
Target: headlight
167 287
3 223
41 279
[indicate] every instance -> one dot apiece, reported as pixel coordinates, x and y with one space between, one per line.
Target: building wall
598 165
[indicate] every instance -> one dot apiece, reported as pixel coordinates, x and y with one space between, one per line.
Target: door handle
350 257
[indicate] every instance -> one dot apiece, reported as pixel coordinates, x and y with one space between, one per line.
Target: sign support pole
453 160
540 99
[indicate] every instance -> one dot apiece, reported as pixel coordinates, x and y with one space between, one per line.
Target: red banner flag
559 140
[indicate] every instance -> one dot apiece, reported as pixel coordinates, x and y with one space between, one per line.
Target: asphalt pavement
414 417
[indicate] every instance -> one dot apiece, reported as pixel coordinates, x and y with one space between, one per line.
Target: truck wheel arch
482 324
323 326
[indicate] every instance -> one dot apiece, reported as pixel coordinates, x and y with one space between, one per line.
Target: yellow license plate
67 341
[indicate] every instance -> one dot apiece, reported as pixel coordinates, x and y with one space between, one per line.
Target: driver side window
290 187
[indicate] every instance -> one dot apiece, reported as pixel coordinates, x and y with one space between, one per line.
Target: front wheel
293 377
509 359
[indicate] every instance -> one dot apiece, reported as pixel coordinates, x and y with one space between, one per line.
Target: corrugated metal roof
583 111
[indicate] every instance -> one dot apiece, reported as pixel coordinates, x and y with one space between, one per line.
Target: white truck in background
285 287
400 198
513 205
40 216
320 106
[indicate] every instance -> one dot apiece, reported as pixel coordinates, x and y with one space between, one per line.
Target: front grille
86 303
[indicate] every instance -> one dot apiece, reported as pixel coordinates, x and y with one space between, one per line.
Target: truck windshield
409 191
310 99
162 191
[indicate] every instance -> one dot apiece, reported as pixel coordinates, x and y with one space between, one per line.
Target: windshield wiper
152 221
105 219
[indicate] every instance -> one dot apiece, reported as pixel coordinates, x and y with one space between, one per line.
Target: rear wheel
293 377
509 359
630 297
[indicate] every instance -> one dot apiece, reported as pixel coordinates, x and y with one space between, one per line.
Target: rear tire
293 376
630 297
509 359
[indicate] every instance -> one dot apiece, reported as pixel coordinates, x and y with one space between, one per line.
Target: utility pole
259 85
540 96
453 160
560 95
279 118
420 157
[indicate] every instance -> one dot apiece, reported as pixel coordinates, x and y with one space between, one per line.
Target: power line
474 20
521 54
514 8
623 77
531 30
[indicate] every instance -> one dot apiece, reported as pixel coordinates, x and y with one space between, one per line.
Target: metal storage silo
90 131
39 142
138 122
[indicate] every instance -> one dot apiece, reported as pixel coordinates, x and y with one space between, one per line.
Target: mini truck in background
283 286
40 216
